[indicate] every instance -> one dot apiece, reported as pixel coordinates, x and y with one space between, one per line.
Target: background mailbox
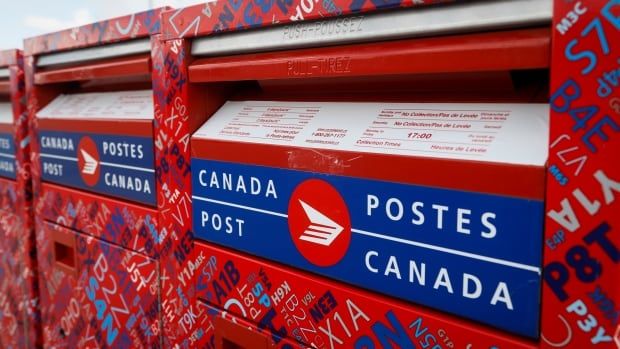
111 250
18 275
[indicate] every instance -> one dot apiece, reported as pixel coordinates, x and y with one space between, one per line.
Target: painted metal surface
142 300
581 293
314 312
18 278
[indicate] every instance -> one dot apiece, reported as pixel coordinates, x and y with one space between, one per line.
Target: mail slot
109 208
18 275
391 157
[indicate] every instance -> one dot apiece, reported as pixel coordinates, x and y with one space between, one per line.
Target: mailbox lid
100 142
14 278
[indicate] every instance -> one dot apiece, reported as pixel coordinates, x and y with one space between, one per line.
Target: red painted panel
115 68
324 314
581 296
19 279
111 220
509 50
528 181
160 233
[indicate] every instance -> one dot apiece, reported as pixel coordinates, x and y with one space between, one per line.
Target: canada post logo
88 161
319 222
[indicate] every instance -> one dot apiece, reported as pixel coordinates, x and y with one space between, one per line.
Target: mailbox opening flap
61 67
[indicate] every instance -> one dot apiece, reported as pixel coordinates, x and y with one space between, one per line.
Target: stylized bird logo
322 230
90 163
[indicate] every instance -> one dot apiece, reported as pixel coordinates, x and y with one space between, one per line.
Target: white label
109 105
6 113
503 133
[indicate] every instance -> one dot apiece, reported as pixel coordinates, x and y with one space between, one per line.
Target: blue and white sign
475 255
8 165
114 165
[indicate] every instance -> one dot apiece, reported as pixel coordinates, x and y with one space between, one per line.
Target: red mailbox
18 278
473 52
113 252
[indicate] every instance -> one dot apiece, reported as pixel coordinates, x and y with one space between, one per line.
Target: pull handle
230 335
64 251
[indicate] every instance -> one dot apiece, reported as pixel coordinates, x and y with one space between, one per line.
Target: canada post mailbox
437 204
18 272
100 142
110 241
315 157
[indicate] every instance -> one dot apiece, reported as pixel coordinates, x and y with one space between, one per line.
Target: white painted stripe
7 156
150 170
391 238
52 156
248 208
450 251
59 157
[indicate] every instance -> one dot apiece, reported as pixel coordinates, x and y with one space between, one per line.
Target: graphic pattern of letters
218 16
120 287
18 274
581 296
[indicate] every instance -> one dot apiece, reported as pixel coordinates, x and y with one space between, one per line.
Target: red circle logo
88 161
319 223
